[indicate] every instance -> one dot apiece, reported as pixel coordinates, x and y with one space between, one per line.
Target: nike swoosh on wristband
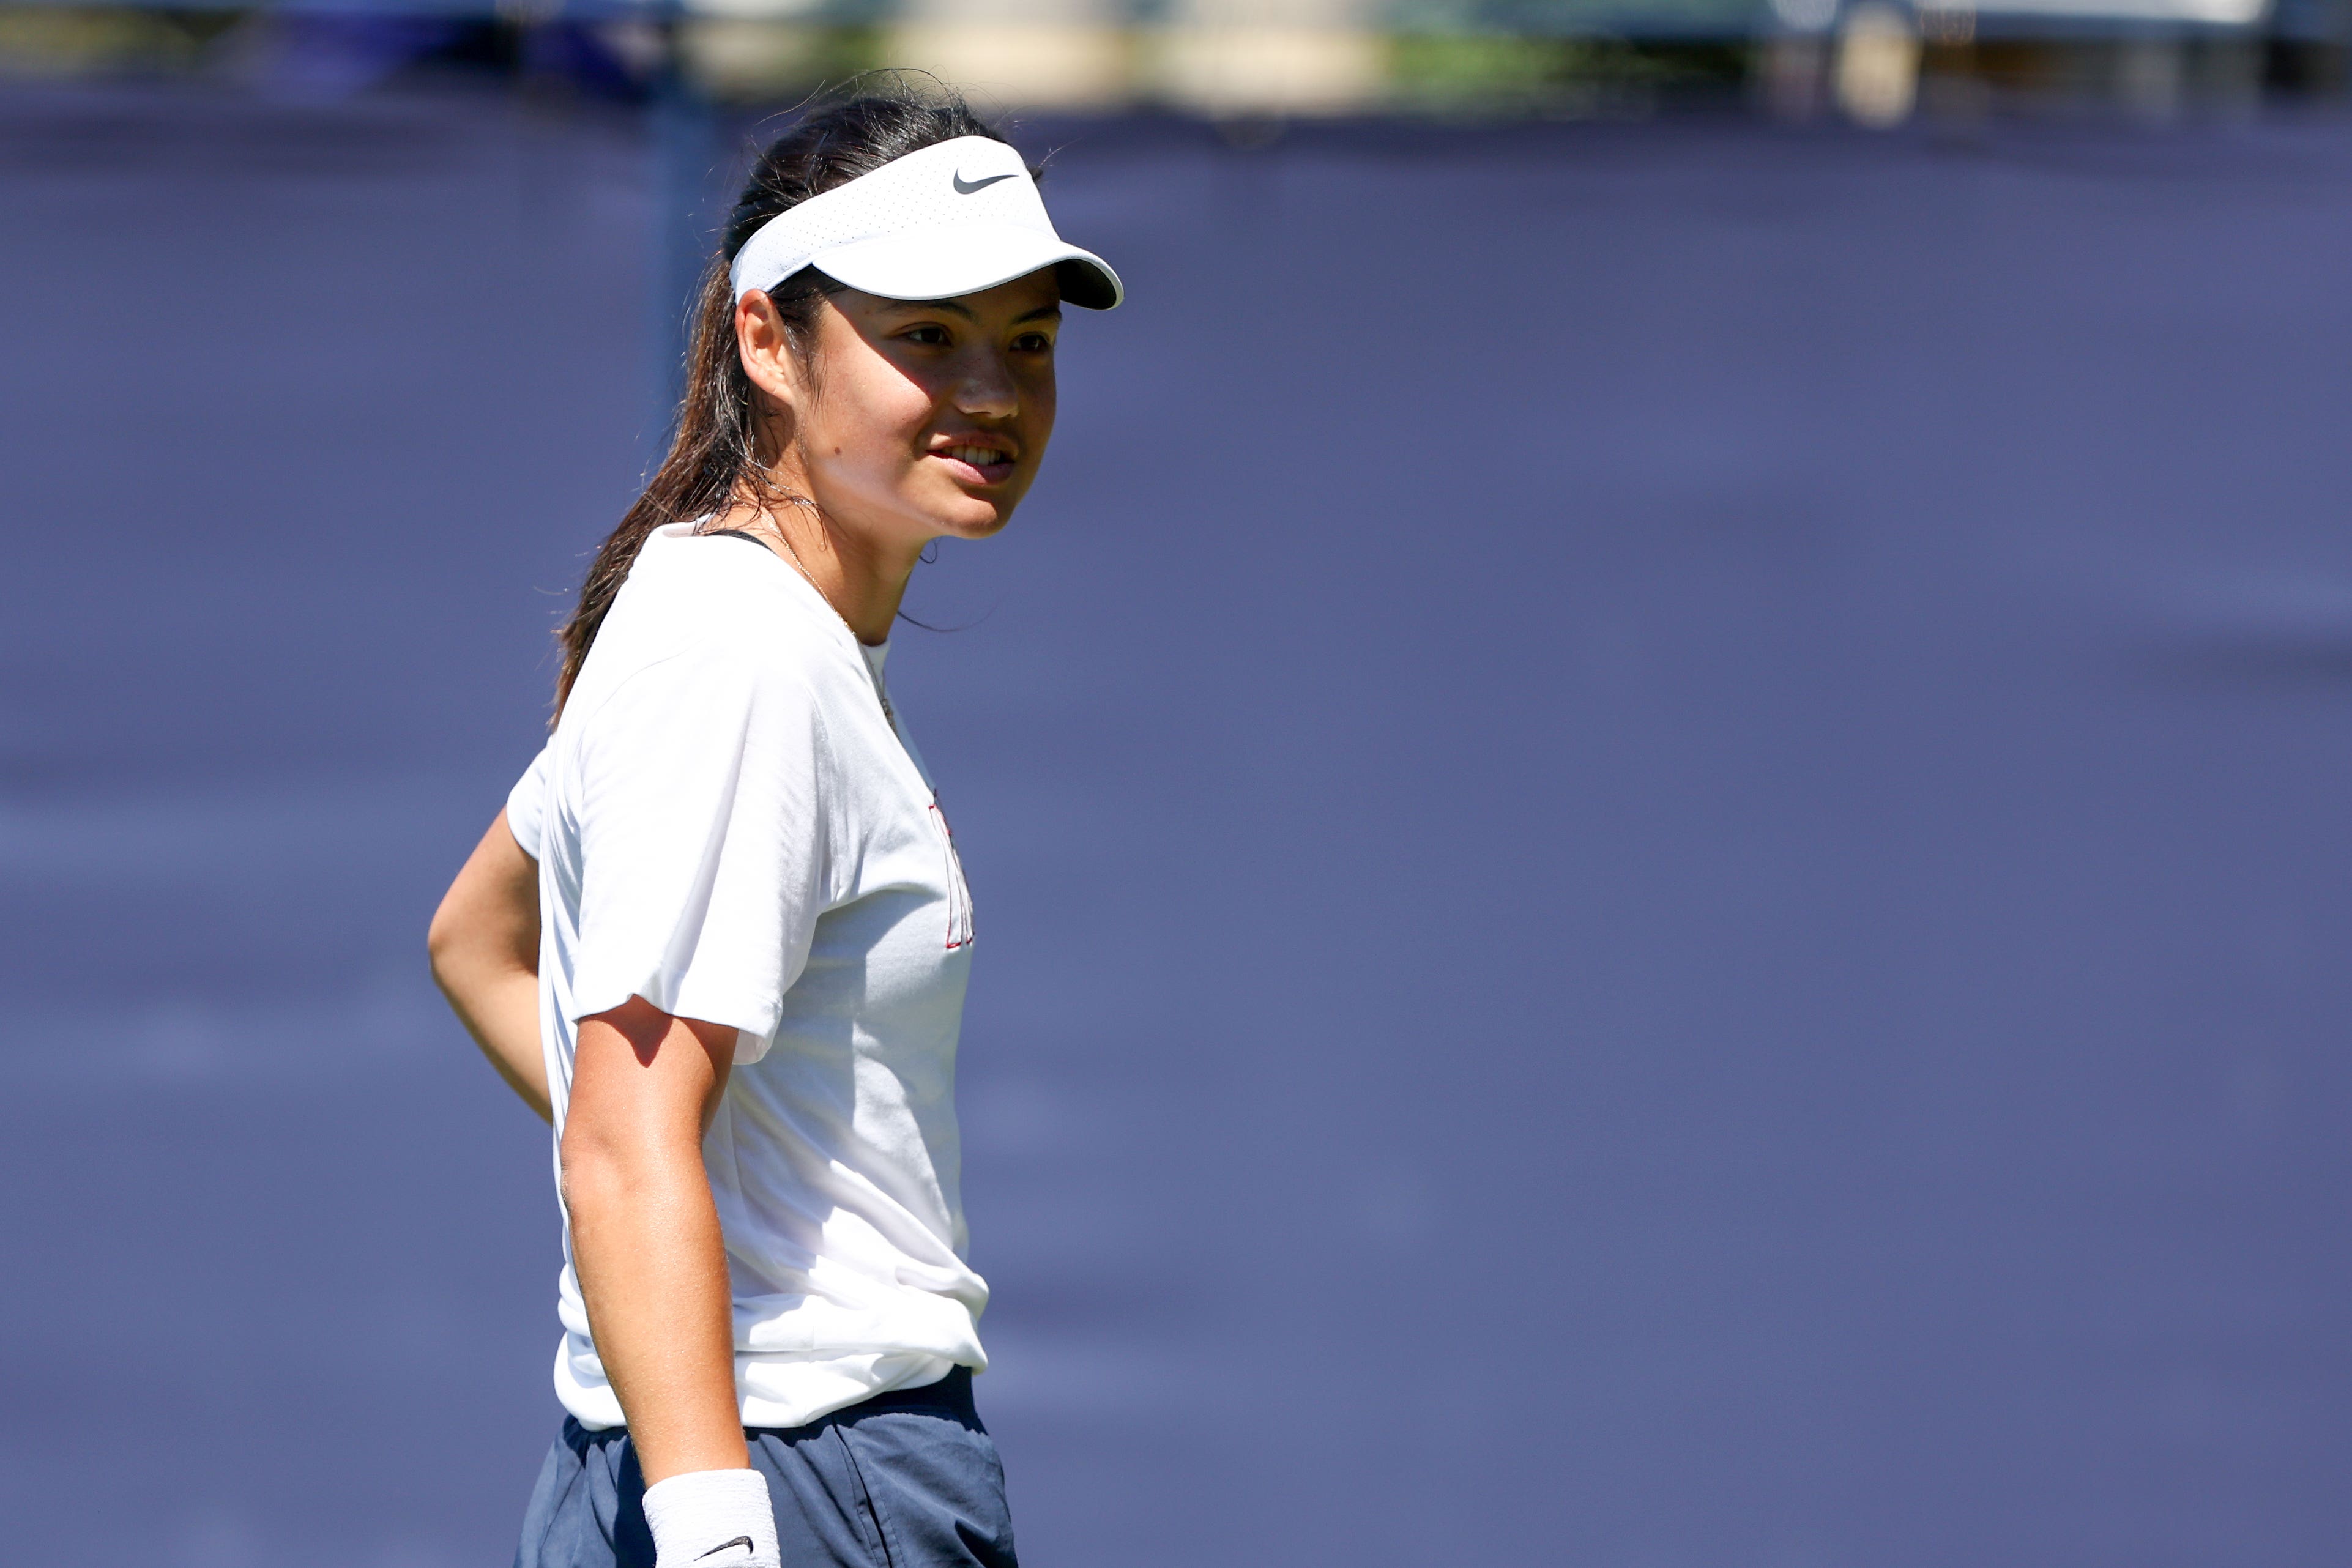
742 1541
964 190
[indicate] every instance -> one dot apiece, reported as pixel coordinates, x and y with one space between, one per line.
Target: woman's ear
767 350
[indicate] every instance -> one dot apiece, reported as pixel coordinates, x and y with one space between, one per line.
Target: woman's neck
862 586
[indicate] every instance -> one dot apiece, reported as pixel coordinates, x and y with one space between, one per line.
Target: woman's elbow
445 943
590 1165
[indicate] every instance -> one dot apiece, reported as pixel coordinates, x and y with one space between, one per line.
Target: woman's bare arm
485 946
644 1232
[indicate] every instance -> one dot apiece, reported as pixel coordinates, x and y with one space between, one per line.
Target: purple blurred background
1659 812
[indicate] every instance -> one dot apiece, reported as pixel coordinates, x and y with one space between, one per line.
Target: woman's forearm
645 1239
500 1010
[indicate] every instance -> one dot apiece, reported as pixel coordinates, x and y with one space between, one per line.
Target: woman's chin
974 522
908 525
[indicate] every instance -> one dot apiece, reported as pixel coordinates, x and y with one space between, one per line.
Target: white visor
954 218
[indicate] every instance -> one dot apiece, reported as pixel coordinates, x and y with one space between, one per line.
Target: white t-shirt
731 823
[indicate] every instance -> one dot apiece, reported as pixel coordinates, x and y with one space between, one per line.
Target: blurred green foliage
1477 75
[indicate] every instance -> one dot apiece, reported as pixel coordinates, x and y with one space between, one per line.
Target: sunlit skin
484 943
864 430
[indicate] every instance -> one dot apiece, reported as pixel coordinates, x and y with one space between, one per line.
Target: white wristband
712 1519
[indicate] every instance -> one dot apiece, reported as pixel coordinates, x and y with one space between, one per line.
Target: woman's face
923 418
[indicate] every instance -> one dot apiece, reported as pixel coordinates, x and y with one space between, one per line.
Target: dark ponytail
714 459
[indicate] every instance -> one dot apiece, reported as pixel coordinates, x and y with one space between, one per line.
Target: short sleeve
526 804
700 813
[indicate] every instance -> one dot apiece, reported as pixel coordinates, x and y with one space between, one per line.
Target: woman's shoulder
691 599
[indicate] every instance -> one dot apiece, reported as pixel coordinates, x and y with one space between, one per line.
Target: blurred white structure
1877 64
1269 57
742 47
1223 58
1043 54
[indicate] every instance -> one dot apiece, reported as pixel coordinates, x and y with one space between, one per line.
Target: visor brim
942 263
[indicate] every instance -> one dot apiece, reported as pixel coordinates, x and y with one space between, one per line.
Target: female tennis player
740 999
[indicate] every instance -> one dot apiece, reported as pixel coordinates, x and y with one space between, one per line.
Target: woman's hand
485 946
644 1233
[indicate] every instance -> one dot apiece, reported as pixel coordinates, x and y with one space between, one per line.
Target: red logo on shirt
959 894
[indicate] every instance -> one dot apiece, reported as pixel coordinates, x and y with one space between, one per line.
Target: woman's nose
987 390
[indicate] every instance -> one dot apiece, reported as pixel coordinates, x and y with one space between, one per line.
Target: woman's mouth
981 465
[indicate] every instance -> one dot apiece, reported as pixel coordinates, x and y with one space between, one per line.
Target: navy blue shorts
908 1480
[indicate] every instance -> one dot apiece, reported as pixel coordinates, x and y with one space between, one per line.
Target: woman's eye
935 337
1034 342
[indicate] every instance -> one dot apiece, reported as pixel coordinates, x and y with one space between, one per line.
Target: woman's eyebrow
904 306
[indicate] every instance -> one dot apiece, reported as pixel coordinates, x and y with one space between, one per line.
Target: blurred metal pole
685 144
